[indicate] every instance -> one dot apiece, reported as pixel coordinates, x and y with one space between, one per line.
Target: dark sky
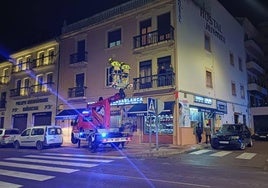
28 22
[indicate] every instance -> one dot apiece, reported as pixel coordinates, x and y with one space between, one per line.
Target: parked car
7 136
39 137
236 136
261 134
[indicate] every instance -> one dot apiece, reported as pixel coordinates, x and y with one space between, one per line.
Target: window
39 83
50 78
233 89
207 43
114 38
240 64
209 79
242 91
145 29
51 55
109 76
145 74
231 58
41 58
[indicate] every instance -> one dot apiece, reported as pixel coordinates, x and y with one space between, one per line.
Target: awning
141 109
69 113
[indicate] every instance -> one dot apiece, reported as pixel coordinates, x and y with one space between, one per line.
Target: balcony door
146 74
80 83
145 29
163 26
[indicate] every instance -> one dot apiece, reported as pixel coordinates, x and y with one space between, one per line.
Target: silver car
7 136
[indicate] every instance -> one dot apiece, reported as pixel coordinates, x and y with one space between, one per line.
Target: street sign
151 106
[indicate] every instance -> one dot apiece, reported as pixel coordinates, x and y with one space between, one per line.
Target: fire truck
93 125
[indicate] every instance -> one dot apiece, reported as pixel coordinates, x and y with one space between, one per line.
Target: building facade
30 89
188 54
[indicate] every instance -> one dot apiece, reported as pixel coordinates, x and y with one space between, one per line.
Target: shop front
147 124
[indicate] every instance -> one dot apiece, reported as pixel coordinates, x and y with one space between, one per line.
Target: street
77 167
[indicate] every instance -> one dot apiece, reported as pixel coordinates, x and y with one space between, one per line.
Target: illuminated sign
128 101
203 100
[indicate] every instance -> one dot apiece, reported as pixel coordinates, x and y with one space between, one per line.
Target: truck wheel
73 139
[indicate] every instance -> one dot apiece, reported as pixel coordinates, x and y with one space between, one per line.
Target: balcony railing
153 38
41 88
78 58
31 90
48 60
77 92
154 81
20 92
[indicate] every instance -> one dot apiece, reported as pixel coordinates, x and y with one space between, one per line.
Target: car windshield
230 128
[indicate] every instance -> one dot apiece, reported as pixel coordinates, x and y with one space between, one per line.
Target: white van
39 137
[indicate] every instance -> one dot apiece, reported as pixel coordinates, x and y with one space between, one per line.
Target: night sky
30 22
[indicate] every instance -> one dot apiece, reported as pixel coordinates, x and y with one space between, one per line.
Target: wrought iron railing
77 92
154 81
153 37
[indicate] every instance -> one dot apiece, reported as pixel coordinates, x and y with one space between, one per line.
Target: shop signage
128 101
203 100
221 106
32 101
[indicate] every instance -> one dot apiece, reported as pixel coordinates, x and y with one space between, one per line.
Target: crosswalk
35 167
213 153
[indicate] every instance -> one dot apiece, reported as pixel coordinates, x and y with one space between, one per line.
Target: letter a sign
151 106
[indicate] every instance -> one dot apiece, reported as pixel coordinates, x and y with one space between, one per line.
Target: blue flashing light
103 135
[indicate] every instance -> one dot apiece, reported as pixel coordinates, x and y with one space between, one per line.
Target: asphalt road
77 167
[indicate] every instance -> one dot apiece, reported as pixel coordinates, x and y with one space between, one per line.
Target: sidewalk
144 150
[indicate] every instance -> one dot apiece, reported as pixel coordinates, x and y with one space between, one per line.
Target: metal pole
150 132
156 131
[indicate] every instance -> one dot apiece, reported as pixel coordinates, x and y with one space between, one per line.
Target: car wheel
250 144
17 145
39 145
242 146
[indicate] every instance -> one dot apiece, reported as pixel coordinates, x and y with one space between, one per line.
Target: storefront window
165 124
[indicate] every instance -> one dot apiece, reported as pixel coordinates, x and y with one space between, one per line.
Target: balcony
154 83
36 63
77 94
41 89
78 59
21 67
152 39
42 62
255 67
254 47
257 87
20 92
4 80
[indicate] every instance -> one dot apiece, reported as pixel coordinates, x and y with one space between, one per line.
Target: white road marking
200 151
69 159
52 162
25 175
9 185
246 156
220 153
38 167
79 155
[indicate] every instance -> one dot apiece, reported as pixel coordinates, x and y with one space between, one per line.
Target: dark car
236 136
261 134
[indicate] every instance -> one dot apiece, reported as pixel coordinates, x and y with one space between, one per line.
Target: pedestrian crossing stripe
25 175
220 153
38 167
9 185
63 163
246 156
200 151
86 156
69 159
